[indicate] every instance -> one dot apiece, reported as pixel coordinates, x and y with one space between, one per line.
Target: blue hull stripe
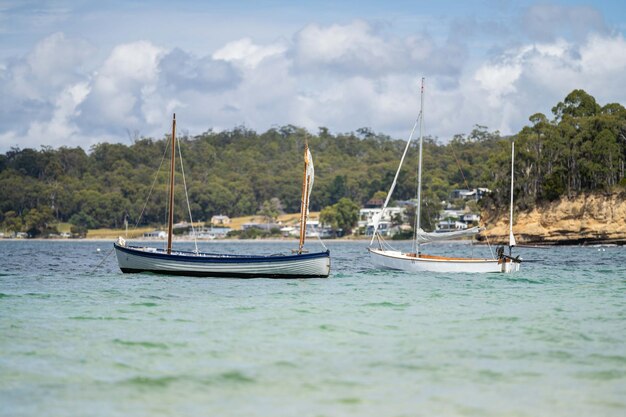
211 258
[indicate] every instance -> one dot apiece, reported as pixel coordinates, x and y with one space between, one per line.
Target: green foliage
583 149
78 231
37 222
343 215
235 172
12 223
270 209
255 233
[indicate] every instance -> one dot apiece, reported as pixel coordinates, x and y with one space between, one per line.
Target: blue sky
74 73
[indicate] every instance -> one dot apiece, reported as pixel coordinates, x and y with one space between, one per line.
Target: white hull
134 259
407 262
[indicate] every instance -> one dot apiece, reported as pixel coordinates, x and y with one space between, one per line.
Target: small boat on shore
298 264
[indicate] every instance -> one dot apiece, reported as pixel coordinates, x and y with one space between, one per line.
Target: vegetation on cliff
235 172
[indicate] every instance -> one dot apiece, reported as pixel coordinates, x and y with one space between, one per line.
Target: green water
548 341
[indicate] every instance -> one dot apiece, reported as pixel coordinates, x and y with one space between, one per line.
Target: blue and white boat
298 264
134 259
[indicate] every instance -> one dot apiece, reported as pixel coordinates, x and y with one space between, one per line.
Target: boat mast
170 220
305 198
419 170
511 236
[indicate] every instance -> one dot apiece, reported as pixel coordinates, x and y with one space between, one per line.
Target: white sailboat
298 264
385 256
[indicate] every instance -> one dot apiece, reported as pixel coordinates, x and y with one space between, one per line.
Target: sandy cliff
591 218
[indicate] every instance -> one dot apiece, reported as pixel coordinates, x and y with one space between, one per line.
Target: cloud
245 52
40 91
534 77
360 49
180 70
53 63
342 77
119 87
60 124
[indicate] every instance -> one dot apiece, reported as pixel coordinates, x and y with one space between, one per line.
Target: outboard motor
500 252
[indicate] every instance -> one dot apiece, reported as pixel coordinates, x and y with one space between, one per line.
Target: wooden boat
386 256
298 264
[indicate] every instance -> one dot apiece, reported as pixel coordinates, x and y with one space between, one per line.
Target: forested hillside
233 172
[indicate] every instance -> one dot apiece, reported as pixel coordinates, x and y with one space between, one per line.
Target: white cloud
346 47
120 86
360 49
342 77
41 90
246 53
60 124
498 80
534 78
604 57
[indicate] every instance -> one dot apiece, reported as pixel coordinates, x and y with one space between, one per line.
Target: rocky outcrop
589 218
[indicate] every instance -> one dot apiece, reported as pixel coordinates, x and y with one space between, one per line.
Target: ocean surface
547 341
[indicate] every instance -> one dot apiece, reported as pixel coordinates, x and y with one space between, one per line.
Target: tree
12 222
270 210
380 195
344 215
235 172
577 104
38 222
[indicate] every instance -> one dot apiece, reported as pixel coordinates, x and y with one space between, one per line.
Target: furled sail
426 237
310 174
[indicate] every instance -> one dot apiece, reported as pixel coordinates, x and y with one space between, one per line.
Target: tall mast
419 170
511 236
170 220
305 198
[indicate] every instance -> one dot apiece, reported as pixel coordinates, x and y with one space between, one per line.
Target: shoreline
529 244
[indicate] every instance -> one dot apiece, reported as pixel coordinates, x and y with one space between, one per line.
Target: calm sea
548 341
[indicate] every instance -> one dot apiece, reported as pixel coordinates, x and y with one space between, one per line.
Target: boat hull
407 262
307 265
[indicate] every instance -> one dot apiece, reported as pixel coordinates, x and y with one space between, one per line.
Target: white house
449 226
366 215
474 194
470 217
211 232
312 229
156 234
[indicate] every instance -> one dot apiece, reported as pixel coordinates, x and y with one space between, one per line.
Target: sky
80 72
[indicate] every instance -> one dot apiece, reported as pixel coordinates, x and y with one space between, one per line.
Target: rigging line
182 169
102 261
395 179
383 243
319 237
415 232
459 166
490 248
151 188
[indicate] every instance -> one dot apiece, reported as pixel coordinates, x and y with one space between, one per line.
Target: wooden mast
305 198
170 220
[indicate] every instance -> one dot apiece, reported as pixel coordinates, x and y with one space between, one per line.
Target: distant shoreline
364 239
216 241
